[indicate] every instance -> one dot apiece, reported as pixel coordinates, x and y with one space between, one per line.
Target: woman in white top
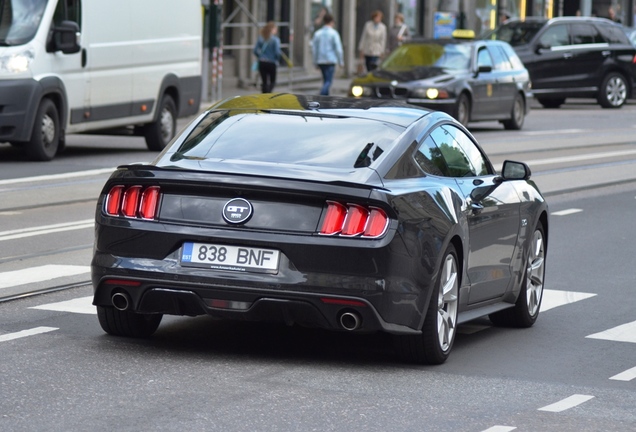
373 41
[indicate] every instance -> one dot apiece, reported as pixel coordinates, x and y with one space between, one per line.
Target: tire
45 137
160 132
462 109
127 323
517 115
551 103
526 310
440 323
613 91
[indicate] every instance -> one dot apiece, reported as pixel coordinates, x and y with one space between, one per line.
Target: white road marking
63 176
80 305
46 229
554 298
500 429
579 158
621 333
628 375
566 212
550 132
25 333
40 274
567 403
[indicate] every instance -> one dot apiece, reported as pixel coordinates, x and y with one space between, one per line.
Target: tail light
133 201
353 220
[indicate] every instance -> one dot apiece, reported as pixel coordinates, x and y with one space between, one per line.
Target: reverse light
133 202
353 220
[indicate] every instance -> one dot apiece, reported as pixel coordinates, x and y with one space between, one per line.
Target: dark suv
573 57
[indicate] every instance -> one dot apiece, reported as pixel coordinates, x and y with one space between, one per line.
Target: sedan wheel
462 109
613 93
440 324
526 310
517 115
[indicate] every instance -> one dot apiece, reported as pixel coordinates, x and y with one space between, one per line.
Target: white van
73 66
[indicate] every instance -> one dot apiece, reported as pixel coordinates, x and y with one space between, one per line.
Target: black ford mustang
354 215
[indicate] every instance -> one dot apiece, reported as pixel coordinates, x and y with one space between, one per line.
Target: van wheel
45 137
159 133
613 92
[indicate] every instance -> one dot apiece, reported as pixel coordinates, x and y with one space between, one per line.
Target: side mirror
482 69
541 47
512 170
65 38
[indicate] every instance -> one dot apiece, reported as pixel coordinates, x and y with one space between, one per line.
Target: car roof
386 110
566 19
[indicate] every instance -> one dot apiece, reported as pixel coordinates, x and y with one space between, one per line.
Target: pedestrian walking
268 53
373 41
398 33
327 51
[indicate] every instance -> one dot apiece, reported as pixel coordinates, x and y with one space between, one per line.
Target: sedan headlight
359 91
430 93
17 62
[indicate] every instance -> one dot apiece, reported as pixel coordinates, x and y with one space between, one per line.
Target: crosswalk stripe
567 403
627 375
554 298
621 333
40 274
46 229
25 333
81 305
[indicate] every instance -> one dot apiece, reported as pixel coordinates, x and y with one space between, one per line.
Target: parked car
351 215
472 80
573 57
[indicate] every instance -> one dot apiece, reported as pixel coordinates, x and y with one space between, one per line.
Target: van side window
555 36
68 10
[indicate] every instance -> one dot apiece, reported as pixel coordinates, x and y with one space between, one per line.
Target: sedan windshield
19 20
296 138
444 56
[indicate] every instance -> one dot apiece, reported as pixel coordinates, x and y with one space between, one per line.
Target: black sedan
343 214
469 79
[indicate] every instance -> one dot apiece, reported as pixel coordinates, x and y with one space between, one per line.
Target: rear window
294 138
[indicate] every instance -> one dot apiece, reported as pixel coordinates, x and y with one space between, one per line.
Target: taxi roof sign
463 34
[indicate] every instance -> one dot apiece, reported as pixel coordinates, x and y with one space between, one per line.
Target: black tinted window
462 157
613 34
585 34
430 159
555 36
297 138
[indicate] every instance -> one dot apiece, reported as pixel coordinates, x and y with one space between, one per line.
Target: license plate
226 257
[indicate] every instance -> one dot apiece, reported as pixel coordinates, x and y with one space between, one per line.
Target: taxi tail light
133 201
354 220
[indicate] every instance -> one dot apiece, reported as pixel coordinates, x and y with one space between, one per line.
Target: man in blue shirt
327 52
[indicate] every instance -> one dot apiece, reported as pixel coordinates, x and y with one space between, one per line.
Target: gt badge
237 211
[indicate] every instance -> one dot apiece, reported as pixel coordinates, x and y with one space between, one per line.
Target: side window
499 58
430 159
68 10
613 34
484 59
474 155
513 57
456 159
555 36
585 34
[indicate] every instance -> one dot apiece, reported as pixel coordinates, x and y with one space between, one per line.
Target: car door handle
567 55
606 53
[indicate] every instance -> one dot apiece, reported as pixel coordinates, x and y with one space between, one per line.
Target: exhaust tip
121 301
350 321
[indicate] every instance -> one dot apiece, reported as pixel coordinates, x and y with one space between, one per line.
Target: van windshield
19 20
